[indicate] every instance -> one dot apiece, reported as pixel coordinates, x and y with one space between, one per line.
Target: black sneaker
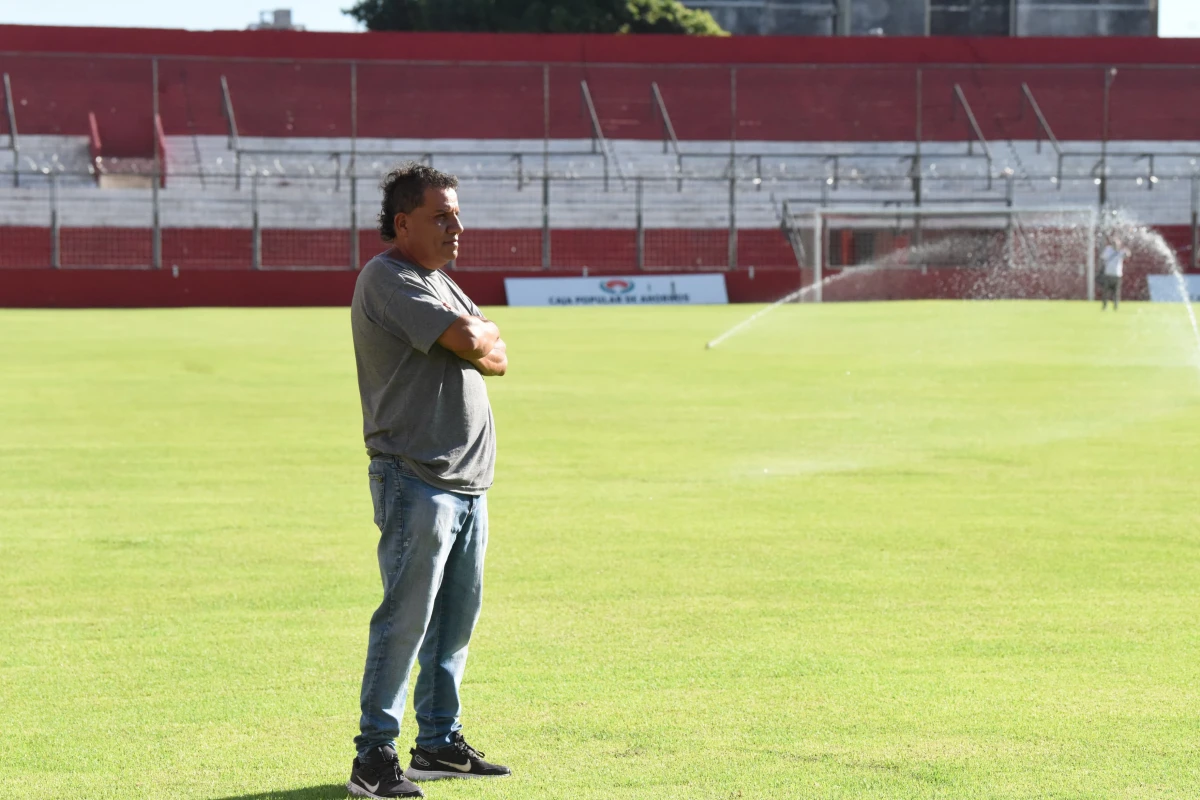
459 760
379 776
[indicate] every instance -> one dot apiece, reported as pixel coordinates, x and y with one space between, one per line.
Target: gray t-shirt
420 402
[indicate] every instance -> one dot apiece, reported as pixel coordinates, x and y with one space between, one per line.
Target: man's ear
400 221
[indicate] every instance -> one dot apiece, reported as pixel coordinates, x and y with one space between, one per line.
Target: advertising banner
623 290
1165 288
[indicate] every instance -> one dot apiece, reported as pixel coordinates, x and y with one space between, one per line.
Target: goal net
995 252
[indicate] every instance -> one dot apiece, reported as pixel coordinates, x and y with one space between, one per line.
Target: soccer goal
978 252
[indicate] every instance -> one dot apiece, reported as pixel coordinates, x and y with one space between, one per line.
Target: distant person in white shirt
1113 258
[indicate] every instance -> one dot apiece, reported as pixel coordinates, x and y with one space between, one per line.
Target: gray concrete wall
947 17
1090 19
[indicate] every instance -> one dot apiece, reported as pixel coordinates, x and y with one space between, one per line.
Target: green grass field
906 550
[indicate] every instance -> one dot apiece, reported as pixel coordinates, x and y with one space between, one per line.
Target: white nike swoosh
460 767
369 787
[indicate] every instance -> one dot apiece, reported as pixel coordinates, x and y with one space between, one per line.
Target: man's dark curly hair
404 190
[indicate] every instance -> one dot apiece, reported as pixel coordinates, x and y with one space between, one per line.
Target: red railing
160 141
95 147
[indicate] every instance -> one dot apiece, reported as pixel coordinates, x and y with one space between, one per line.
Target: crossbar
976 211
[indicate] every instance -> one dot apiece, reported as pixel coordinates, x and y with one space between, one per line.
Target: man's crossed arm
477 340
495 362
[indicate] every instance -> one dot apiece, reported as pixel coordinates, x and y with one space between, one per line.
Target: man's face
429 234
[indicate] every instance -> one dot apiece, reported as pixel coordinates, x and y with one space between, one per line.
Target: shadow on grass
331 791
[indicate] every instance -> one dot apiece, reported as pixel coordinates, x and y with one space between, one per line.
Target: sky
1176 17
314 15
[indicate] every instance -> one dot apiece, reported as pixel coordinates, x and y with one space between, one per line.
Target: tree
669 16
523 16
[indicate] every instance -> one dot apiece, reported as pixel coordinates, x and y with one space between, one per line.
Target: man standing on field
422 349
1113 258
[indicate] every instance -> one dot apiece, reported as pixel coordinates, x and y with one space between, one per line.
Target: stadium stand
575 153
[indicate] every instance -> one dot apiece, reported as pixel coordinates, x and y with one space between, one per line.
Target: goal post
969 251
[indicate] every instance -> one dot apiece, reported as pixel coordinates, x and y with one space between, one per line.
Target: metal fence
126 106
280 157
315 221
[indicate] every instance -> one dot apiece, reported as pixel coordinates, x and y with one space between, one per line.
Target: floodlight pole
732 120
546 166
843 18
733 234
350 172
1091 256
1110 74
917 165
354 254
255 230
545 119
1195 221
641 227
545 221
353 113
818 250
156 229
917 135
55 251
1009 239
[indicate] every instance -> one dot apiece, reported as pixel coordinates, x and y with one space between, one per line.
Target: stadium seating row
266 144
53 94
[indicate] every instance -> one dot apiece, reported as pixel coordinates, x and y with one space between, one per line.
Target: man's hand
494 363
470 338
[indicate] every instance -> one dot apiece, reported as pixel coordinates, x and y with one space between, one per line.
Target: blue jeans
431 549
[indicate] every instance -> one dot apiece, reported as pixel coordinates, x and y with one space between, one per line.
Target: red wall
192 249
289 84
562 48
107 267
137 288
511 250
788 88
